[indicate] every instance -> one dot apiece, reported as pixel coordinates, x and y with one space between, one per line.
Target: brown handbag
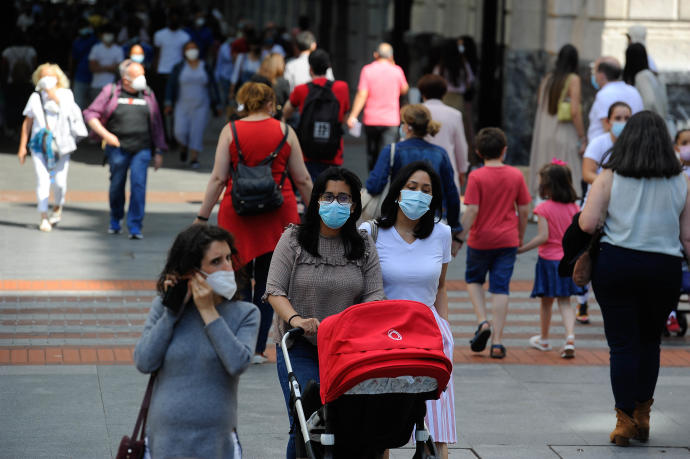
582 272
134 447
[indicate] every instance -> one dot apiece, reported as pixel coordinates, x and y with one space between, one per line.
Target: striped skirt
440 414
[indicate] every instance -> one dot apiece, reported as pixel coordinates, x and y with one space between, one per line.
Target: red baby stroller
378 363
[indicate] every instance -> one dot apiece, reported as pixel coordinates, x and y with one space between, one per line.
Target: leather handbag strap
144 410
237 143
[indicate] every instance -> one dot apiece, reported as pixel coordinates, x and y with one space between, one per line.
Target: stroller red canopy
380 339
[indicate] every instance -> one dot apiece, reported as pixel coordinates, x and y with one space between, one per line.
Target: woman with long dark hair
559 131
198 341
414 249
456 71
640 200
636 73
318 269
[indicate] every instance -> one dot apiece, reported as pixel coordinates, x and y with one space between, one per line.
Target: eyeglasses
343 198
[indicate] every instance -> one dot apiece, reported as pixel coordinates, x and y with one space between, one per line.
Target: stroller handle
297 331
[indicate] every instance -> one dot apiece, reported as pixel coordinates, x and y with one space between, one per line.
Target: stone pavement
73 301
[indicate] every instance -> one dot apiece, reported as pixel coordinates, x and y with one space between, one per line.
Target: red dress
256 235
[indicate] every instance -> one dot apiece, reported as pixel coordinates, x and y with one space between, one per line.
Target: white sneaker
45 225
537 343
259 359
55 217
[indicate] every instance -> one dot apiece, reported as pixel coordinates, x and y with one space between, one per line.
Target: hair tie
558 162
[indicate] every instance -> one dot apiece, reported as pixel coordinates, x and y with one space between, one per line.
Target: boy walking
497 203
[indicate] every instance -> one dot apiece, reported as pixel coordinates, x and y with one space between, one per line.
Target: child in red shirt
497 204
555 215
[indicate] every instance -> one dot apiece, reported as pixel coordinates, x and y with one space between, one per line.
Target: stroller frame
422 437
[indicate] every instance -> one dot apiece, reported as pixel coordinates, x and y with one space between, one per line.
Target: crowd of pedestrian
144 79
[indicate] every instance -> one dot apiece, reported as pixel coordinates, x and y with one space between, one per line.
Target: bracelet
203 219
292 317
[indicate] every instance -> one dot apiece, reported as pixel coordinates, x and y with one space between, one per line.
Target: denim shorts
497 262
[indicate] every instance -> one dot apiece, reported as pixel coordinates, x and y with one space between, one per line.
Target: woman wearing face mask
318 269
417 123
52 126
258 135
409 233
191 90
198 346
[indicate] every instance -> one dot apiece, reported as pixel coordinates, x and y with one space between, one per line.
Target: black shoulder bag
253 189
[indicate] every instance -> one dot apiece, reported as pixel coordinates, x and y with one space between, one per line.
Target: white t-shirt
597 148
105 55
297 71
171 43
14 54
412 271
615 91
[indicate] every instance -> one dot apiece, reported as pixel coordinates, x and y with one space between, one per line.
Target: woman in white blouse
414 250
52 126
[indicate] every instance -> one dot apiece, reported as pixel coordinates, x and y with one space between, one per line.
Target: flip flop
500 351
478 342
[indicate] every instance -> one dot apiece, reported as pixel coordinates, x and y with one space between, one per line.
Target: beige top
322 286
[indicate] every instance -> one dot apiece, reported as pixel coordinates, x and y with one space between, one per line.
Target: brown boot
625 429
641 417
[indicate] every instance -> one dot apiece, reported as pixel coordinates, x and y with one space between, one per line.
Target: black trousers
636 291
377 138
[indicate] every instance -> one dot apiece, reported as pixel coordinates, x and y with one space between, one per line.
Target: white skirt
440 414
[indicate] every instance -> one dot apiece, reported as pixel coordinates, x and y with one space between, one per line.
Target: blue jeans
137 163
305 365
635 291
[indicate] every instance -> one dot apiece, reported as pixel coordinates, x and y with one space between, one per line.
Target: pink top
496 191
559 215
451 137
383 82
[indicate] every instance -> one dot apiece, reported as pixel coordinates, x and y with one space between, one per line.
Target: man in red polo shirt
319 63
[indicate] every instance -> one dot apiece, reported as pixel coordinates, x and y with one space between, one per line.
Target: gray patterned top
322 286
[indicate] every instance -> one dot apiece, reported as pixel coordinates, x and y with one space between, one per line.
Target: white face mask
192 54
222 282
47 82
200 22
108 38
139 83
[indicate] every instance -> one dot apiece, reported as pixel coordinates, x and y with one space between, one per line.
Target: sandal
498 351
568 350
481 336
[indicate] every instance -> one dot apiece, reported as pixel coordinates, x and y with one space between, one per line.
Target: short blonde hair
418 117
63 81
254 96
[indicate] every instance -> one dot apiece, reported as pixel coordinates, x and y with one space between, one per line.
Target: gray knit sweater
194 404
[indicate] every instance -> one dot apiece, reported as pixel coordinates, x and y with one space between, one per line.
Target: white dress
427 256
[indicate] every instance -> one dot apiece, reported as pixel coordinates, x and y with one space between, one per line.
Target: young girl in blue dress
555 215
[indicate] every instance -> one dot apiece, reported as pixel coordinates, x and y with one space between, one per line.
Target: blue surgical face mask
414 204
617 128
333 214
139 58
595 85
461 49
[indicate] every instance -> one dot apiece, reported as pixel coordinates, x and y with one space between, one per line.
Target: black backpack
319 130
253 189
